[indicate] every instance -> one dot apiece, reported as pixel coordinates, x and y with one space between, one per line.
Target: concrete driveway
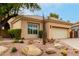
74 42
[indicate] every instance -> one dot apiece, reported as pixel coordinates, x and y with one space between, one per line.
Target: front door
71 34
75 34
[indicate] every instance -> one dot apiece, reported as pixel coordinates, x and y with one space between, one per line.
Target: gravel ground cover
37 43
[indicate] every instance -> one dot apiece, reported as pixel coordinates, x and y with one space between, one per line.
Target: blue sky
64 10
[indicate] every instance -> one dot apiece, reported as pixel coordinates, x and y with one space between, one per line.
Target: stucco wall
25 28
16 25
10 22
49 30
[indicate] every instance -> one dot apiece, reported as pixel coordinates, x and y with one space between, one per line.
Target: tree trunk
0 31
44 31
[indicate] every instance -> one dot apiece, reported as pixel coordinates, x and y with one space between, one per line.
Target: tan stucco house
30 26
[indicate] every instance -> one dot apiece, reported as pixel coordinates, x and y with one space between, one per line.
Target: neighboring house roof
54 20
75 24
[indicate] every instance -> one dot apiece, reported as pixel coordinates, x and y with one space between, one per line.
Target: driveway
74 42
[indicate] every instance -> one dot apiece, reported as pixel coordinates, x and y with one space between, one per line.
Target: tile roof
50 19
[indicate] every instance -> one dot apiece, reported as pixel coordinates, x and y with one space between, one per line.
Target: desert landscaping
34 47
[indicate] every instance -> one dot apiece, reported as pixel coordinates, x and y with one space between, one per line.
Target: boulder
58 45
3 49
30 41
51 40
75 50
50 51
31 50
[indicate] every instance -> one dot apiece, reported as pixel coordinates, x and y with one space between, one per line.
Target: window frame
32 30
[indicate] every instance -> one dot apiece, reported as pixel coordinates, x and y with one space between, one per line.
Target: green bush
40 34
14 50
15 33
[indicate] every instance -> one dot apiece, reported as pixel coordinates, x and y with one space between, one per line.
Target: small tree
54 15
9 10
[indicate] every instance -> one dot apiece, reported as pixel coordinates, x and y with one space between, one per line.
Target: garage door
58 33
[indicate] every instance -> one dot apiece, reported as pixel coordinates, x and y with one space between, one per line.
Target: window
33 28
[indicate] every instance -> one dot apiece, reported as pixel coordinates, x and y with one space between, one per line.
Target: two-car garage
58 29
58 33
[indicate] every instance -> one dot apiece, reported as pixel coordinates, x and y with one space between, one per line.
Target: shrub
14 50
21 41
16 41
15 33
64 52
40 34
4 33
23 38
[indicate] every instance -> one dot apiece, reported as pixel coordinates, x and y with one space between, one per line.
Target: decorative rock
32 50
64 52
52 40
75 50
30 42
50 51
65 48
58 45
3 49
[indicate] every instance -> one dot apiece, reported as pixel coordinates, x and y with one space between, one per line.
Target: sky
66 11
